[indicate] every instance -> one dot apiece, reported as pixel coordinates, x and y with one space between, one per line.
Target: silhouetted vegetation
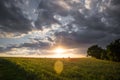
112 51
95 51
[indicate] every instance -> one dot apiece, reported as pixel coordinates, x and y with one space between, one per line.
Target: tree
104 55
113 50
95 51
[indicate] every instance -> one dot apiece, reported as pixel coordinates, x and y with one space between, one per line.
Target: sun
59 50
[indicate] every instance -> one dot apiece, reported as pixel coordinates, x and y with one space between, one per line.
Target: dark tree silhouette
95 51
104 55
113 50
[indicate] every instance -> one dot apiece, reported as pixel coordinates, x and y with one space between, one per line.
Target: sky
36 27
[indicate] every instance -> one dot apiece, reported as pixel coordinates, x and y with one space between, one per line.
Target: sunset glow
59 50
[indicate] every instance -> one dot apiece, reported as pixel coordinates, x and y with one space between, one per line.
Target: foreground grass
43 69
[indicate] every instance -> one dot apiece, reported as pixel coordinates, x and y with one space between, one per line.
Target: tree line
111 52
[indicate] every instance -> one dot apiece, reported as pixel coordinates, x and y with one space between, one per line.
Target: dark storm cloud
39 45
6 49
47 9
116 2
32 46
114 13
79 39
107 20
16 20
98 27
11 17
19 18
2 49
44 18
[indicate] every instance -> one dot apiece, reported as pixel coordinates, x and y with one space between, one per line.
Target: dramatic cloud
11 17
43 24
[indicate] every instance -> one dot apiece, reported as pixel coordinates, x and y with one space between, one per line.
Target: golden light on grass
58 67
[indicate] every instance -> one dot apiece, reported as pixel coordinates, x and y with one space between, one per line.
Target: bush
112 51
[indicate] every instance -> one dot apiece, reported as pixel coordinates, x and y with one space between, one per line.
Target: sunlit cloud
64 20
88 4
63 4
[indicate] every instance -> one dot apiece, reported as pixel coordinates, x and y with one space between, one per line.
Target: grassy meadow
58 69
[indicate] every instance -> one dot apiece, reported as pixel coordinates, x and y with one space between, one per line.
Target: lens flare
58 67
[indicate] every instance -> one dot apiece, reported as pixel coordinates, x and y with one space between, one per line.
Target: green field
68 69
